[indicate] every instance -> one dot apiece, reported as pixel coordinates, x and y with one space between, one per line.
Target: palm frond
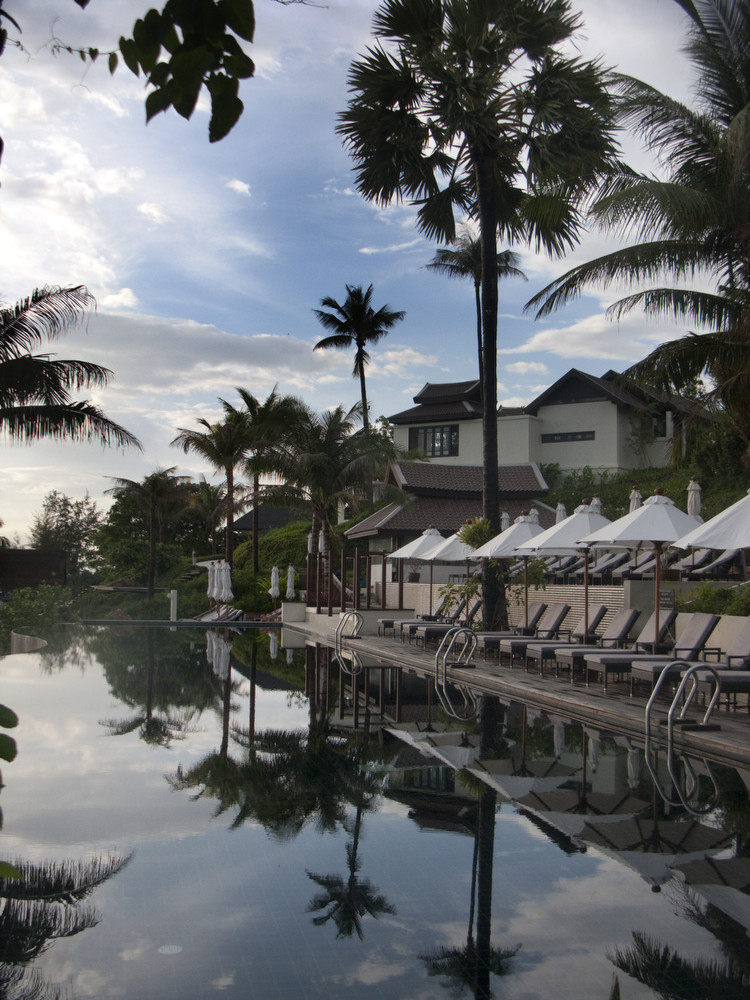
73 422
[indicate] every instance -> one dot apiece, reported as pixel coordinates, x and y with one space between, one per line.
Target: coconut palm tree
225 445
692 220
35 389
269 422
209 504
463 259
159 492
471 108
323 462
354 321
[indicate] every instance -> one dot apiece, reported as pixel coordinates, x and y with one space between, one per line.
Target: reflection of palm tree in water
347 900
471 965
156 728
40 907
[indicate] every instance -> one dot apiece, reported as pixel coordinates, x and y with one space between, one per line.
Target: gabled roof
434 479
443 401
447 514
579 387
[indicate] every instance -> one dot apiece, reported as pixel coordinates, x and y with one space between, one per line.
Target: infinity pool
226 840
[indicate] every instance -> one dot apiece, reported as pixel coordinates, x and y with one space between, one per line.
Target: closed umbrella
225 583
273 590
636 499
290 591
560 513
211 589
504 521
657 522
694 497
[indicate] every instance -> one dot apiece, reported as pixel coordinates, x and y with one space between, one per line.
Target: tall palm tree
209 504
158 492
472 108
463 259
224 444
354 321
692 220
35 389
269 422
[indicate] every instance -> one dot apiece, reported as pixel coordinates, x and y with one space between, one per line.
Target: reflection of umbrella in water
731 872
575 800
273 645
653 847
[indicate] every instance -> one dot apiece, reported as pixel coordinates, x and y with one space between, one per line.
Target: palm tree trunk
256 519
229 541
484 168
363 393
478 301
151 548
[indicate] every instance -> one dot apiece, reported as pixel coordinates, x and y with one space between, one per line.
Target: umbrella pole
657 587
431 565
526 590
585 594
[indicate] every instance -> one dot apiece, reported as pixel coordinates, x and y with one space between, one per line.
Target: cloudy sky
207 260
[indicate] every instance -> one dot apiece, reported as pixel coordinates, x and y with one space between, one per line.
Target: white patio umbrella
729 529
450 550
225 583
273 590
694 498
505 545
658 523
420 549
567 538
636 499
560 513
211 588
290 591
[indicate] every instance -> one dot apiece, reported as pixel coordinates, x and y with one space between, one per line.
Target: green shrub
33 611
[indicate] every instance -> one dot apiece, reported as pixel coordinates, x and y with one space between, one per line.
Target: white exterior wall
469 441
518 438
604 452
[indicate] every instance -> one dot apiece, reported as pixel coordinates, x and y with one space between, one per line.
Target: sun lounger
538 652
404 627
687 647
603 566
719 567
385 624
695 560
549 628
615 636
632 565
423 634
490 640
730 665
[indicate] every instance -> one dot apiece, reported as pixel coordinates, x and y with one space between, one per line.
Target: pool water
248 849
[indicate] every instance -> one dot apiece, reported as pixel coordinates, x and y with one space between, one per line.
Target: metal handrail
356 663
350 616
679 708
468 641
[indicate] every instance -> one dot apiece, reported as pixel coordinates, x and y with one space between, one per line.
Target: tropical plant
225 445
475 110
691 222
208 502
355 322
35 389
323 463
463 259
269 421
159 493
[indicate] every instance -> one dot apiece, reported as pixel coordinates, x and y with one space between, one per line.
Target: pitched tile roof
432 478
447 514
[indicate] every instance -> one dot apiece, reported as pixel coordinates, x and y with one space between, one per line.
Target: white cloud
393 248
241 187
525 367
124 299
401 361
597 337
154 213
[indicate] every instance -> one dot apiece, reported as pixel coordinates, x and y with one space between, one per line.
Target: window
435 441
568 436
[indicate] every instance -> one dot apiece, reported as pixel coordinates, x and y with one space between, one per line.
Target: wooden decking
613 710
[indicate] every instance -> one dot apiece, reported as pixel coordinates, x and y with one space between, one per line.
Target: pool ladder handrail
677 713
344 621
468 640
